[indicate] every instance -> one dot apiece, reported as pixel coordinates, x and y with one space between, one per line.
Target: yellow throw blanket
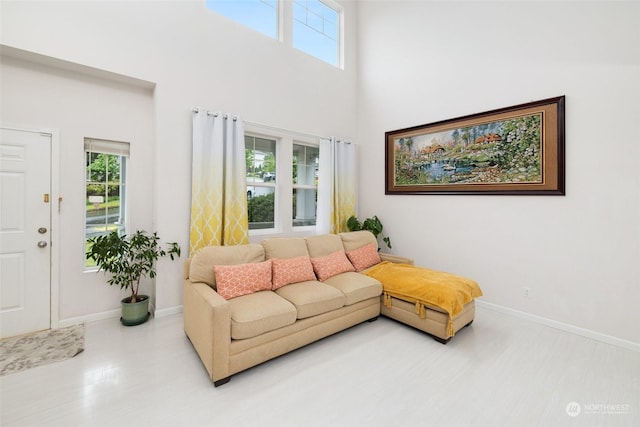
423 286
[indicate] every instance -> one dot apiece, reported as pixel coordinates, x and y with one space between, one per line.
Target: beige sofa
232 335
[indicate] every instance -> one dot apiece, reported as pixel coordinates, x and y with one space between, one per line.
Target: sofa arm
207 323
395 258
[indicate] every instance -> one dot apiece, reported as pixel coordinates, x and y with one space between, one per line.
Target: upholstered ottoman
435 319
434 302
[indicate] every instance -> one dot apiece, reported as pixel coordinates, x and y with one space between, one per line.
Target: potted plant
128 259
372 224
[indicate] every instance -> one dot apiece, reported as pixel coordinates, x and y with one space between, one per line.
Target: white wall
196 59
418 62
79 105
422 62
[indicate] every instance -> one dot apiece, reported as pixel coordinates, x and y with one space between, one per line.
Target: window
282 181
305 184
260 155
312 26
261 15
105 188
316 30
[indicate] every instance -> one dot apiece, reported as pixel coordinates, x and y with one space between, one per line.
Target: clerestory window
316 29
311 26
261 15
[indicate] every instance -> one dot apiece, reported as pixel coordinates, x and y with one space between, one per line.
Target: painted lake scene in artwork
498 152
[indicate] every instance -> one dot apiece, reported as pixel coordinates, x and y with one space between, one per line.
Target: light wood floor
501 371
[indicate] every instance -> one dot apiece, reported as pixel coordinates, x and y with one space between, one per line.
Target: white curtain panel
336 185
218 188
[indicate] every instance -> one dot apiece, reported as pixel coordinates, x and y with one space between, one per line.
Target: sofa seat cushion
312 298
355 286
260 312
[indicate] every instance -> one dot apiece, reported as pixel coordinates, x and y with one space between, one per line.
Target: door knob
42 244
42 230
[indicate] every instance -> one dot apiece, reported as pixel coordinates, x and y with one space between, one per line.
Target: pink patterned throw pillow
331 265
364 257
242 279
291 270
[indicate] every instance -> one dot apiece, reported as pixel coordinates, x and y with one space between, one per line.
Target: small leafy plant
372 224
129 258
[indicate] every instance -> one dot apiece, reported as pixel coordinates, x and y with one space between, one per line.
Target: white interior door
25 230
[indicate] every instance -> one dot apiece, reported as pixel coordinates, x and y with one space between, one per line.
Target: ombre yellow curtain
336 185
218 182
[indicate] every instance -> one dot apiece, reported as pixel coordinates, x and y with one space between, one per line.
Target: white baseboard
115 313
63 323
630 345
168 311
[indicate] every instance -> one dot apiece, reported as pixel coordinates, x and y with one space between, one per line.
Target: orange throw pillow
331 265
291 270
364 257
242 279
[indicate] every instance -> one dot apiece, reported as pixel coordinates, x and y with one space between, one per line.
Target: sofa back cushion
242 279
203 261
323 245
284 247
357 239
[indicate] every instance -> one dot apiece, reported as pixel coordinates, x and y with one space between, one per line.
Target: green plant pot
135 313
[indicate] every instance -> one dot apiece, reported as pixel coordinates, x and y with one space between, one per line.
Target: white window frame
273 184
283 209
340 28
298 186
116 148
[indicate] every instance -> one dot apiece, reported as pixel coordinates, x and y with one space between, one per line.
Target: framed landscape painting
516 150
